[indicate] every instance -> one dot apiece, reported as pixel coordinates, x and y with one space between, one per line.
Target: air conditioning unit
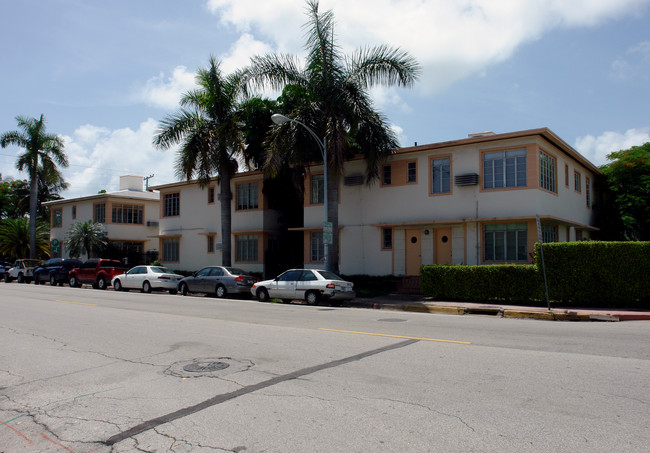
468 179
353 180
152 223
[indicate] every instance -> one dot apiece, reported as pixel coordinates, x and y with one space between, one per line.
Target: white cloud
596 149
99 156
241 52
165 92
635 63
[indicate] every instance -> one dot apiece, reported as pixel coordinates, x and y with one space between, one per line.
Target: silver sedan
217 280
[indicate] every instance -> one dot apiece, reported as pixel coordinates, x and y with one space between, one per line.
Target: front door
443 245
413 252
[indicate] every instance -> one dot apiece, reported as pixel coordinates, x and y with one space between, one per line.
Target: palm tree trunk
226 219
333 217
33 206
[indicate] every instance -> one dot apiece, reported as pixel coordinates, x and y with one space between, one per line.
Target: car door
216 276
307 281
284 287
198 283
133 278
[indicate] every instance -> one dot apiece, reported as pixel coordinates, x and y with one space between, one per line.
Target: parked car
217 280
147 278
4 267
22 271
97 272
55 270
312 285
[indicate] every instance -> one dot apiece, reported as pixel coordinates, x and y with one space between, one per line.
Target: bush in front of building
597 274
509 283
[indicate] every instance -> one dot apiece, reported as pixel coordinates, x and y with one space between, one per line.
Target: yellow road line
77 303
396 336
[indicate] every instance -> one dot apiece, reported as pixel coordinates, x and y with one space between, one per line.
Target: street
84 370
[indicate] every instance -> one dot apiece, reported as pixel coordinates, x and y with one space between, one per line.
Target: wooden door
413 252
443 245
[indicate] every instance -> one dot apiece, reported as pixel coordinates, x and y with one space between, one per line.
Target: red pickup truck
97 272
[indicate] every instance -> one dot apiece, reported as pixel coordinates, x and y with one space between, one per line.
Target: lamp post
281 119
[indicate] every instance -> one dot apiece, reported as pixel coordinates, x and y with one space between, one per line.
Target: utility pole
146 182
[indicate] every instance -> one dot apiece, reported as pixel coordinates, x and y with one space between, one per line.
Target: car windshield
327 275
160 270
32 263
235 271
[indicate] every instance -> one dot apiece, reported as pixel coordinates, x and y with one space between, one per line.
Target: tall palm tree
43 152
86 237
15 237
207 129
335 104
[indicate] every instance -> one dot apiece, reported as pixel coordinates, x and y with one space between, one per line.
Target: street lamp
322 145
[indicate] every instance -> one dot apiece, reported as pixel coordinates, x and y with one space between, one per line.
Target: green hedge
598 274
504 283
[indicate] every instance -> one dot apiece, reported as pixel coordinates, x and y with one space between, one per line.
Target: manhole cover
204 367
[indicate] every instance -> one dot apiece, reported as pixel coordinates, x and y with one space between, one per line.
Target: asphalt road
84 370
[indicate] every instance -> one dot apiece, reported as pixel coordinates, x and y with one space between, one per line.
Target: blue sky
104 73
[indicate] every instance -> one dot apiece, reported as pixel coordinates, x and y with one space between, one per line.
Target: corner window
547 172
170 248
441 175
387 238
126 213
247 196
246 248
386 175
317 248
317 189
172 204
99 215
549 233
504 169
505 242
57 218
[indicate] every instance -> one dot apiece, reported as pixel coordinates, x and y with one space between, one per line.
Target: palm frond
275 71
383 65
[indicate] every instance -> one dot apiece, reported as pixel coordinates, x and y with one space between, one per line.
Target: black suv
55 271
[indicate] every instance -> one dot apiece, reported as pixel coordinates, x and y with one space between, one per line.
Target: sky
105 73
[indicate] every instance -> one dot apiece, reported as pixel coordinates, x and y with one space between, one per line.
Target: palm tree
333 100
15 238
42 152
86 237
207 129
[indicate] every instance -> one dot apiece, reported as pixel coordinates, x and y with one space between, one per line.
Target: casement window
172 204
170 249
547 172
387 238
316 246
246 248
247 196
57 218
503 169
566 175
577 182
441 175
74 212
411 172
505 242
588 191
210 194
99 216
126 213
549 233
386 175
210 245
317 189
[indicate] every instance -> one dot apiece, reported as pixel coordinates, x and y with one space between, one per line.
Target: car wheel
262 295
74 283
220 291
101 283
184 289
146 287
117 285
36 282
21 278
52 280
312 297
7 278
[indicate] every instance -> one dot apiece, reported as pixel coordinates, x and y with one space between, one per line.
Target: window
441 179
126 213
170 248
566 175
547 172
210 243
317 189
246 248
387 238
588 190
386 175
74 212
317 248
549 234
506 242
211 194
172 204
577 182
57 218
504 169
411 172
247 197
100 213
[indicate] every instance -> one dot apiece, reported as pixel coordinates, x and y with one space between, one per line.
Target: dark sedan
217 280
55 271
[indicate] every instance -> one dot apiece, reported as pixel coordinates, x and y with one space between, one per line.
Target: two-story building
129 215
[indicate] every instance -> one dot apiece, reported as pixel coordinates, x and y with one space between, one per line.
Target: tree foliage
628 178
15 238
86 237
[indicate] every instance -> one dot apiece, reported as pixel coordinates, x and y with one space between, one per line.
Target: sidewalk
407 302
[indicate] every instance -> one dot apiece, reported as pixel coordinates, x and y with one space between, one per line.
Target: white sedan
311 285
146 279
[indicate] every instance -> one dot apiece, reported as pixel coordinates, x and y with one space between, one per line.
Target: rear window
235 271
111 263
327 275
160 270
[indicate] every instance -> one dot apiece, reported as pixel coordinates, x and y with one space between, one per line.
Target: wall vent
468 179
152 223
353 180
